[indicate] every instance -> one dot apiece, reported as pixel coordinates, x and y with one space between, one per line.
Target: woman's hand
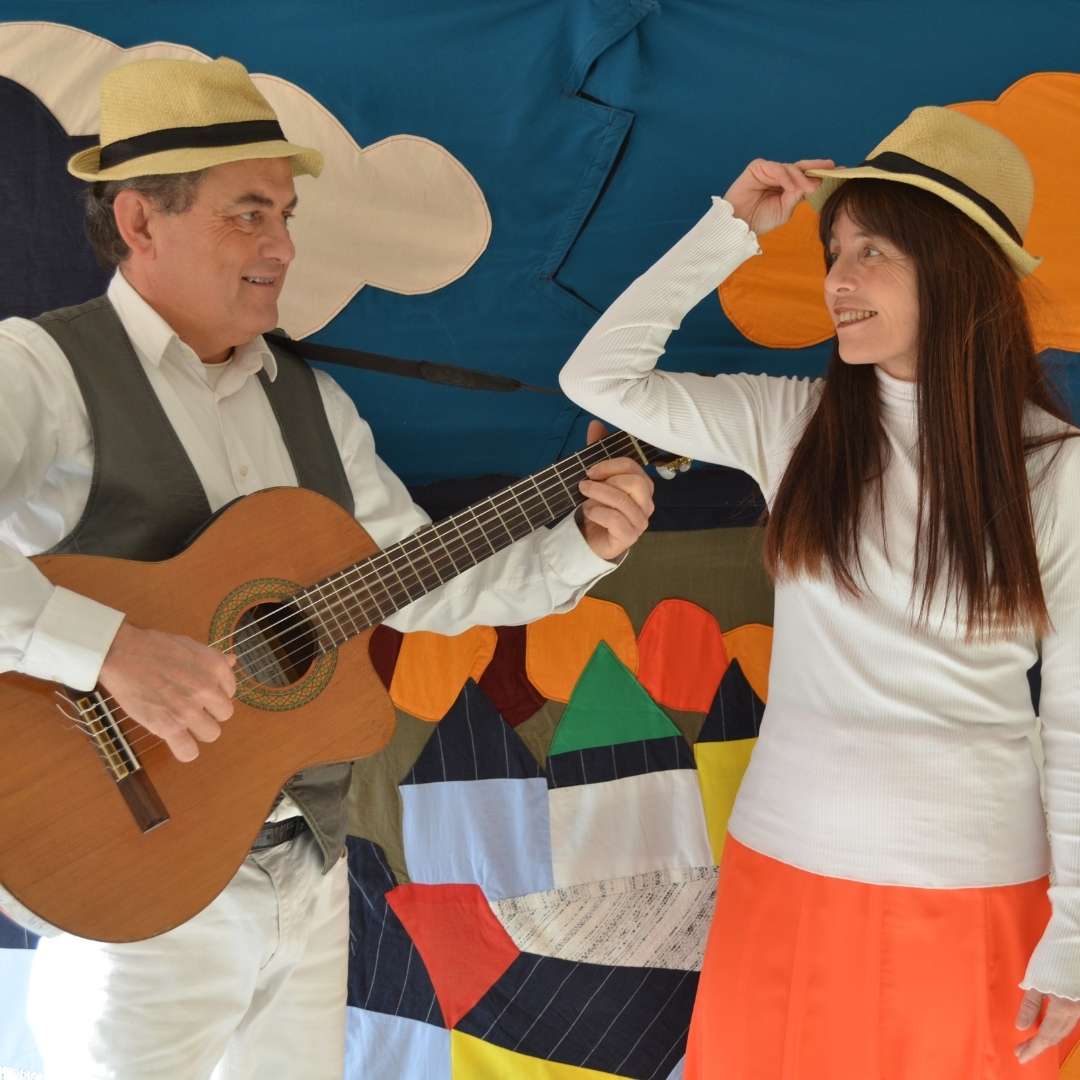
1060 1018
766 193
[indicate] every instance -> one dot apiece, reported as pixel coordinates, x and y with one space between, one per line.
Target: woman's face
872 296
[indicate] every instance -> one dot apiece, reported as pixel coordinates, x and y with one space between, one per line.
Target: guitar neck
370 591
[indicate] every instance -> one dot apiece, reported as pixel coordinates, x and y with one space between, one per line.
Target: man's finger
616 467
608 495
596 431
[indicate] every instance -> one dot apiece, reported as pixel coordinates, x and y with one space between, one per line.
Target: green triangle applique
609 706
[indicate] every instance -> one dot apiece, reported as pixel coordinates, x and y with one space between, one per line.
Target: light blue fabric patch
18 1050
377 1044
492 833
677 1072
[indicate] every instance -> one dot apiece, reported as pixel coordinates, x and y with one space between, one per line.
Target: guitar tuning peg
670 468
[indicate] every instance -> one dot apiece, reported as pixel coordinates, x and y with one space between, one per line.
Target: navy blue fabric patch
628 1021
386 973
45 259
13 936
706 497
473 742
598 764
736 710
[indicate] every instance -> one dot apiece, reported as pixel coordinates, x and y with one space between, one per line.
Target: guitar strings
144 738
433 529
373 570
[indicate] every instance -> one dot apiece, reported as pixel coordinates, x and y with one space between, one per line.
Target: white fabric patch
626 827
659 919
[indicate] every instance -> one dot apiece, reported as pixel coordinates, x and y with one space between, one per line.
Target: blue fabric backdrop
596 129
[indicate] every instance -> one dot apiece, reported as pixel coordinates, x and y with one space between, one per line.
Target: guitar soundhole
276 644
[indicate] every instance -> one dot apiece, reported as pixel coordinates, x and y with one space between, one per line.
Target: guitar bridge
104 731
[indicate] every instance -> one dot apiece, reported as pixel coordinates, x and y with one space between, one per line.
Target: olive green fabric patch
374 804
719 569
538 731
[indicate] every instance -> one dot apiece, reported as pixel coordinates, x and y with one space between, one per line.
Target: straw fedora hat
969 164
174 116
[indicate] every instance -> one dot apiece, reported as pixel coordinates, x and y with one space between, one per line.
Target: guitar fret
521 509
389 561
464 541
432 567
541 494
329 606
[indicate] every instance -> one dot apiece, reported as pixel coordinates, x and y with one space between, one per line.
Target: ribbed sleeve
737 420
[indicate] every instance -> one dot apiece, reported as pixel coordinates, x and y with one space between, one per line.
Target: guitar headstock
667 464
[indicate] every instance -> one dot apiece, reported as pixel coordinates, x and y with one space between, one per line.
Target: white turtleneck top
890 753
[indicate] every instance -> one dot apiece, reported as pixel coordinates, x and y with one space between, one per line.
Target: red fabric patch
682 656
464 947
383 648
505 681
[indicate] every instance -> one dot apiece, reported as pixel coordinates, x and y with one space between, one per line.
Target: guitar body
72 849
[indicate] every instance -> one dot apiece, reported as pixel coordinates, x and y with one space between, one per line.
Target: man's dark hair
172 193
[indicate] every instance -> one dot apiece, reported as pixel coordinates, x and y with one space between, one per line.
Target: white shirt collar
154 338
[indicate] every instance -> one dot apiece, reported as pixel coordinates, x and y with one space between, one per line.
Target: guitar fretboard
370 591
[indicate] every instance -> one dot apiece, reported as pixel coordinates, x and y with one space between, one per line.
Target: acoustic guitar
103 833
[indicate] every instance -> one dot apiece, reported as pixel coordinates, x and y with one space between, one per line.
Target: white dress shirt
225 423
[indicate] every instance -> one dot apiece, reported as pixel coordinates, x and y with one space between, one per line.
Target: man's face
217 270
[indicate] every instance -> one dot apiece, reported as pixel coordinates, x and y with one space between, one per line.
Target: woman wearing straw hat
124 423
882 907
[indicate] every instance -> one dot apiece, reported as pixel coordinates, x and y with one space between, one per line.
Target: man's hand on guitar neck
171 685
618 502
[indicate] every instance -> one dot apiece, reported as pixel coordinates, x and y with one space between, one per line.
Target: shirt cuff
70 640
567 553
1054 967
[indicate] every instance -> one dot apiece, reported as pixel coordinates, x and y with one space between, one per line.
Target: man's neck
209 352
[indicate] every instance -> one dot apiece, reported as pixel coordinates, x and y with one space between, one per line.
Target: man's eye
251 217
288 219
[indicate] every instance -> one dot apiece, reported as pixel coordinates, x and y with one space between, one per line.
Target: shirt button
243 471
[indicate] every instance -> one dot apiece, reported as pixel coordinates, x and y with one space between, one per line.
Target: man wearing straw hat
125 422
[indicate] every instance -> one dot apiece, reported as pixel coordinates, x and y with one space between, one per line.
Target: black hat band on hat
901 163
190 138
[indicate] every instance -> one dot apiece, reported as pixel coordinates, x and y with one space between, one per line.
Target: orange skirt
815 978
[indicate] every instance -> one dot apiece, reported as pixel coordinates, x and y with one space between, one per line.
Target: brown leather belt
278 832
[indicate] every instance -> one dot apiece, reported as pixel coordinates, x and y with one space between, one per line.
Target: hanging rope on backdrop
445 374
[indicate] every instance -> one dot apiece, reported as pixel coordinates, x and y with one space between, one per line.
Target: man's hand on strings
618 502
174 687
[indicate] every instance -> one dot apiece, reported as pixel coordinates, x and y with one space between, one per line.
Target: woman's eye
871 250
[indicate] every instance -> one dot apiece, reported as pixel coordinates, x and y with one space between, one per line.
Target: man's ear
133 212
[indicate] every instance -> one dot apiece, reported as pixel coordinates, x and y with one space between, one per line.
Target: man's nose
277 244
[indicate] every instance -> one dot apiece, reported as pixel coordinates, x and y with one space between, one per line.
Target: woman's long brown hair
977 367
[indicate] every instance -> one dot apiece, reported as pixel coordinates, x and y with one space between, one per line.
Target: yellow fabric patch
778 301
720 767
558 647
751 645
474 1059
432 669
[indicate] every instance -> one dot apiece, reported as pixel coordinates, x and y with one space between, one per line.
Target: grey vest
146 500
